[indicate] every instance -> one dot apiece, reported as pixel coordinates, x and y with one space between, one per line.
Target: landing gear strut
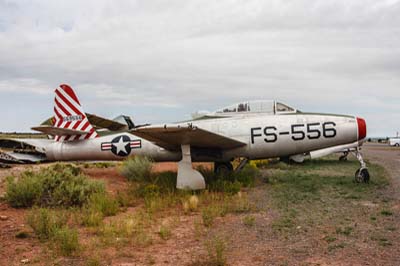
344 156
362 174
221 168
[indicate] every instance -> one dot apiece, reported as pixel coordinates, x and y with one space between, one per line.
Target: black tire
397 145
223 168
343 158
362 175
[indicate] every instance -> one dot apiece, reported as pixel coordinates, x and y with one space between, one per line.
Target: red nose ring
362 128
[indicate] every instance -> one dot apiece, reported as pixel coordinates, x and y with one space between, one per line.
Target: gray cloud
164 59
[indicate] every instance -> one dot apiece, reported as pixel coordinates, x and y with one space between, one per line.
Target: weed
344 231
333 247
190 205
216 248
66 240
103 203
330 239
45 222
208 214
91 218
93 261
59 185
386 213
137 168
21 235
249 220
164 232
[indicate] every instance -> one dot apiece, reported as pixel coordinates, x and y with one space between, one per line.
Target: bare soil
371 242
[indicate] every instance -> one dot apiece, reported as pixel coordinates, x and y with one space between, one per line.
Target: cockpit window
261 106
280 107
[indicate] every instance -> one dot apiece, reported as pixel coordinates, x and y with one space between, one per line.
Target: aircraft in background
249 130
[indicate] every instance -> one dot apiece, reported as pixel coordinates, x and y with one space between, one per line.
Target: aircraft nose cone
362 128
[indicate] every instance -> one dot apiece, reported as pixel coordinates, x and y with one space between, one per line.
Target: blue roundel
121 145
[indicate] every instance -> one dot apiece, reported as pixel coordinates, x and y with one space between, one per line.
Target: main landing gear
362 174
222 168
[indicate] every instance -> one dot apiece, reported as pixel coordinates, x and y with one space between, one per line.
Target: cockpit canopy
263 106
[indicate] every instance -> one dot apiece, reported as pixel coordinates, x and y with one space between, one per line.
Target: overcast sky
162 60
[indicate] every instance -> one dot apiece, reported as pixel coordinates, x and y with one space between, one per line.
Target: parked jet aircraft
250 130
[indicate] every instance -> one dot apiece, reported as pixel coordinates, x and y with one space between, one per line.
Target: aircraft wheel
223 168
343 158
362 175
397 145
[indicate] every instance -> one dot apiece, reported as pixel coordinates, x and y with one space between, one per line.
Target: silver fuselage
266 136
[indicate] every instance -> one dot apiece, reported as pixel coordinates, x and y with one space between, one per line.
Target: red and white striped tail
69 114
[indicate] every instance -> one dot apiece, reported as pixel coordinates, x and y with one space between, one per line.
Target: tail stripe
62 108
69 102
70 115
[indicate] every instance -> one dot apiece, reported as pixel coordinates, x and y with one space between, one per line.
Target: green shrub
209 214
59 185
216 248
92 218
225 186
137 168
45 222
23 193
103 203
66 240
164 232
249 220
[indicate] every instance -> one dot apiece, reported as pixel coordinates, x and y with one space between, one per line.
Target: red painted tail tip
362 128
70 92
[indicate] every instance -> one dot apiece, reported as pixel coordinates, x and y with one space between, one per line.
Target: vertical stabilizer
69 114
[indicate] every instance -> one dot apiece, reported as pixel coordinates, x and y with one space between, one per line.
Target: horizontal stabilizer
57 131
173 136
101 122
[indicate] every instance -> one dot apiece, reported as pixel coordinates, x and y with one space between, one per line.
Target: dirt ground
259 244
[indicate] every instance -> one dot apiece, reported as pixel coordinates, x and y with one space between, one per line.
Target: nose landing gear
362 174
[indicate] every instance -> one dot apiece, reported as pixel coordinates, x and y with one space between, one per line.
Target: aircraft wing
101 122
56 131
96 121
171 137
23 150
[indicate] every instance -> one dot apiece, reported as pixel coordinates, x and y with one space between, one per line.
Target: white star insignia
120 145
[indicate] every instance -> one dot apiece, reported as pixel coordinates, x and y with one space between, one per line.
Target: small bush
249 220
137 168
225 186
216 248
66 240
23 193
209 214
59 185
164 232
45 222
92 218
103 203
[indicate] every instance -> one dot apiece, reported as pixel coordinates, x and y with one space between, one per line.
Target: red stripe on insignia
70 92
67 102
